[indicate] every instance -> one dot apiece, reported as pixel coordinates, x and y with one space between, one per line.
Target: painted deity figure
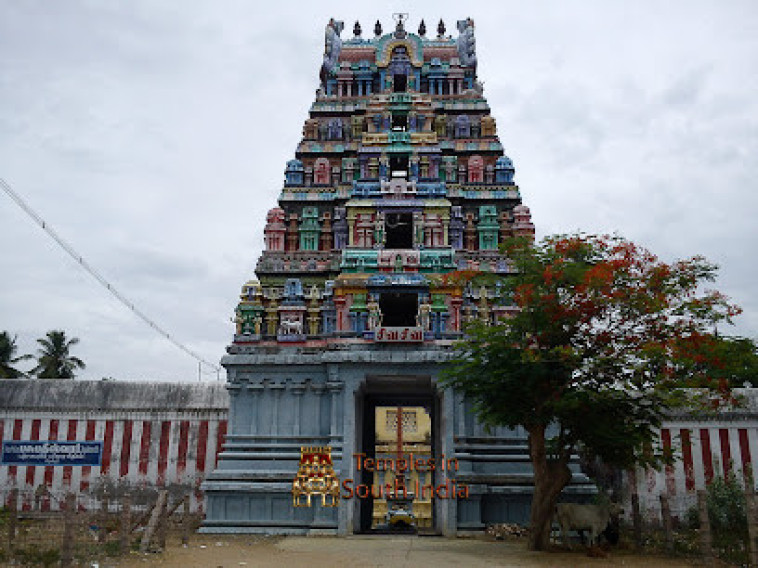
414 170
247 324
374 315
424 317
484 308
238 323
313 320
398 263
466 43
332 46
450 171
378 232
412 121
440 125
468 313
419 225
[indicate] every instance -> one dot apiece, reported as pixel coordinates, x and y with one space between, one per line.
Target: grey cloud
687 88
153 136
143 264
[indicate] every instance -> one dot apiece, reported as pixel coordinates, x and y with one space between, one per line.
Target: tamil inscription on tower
400 179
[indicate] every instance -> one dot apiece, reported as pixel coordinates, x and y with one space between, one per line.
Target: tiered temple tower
400 180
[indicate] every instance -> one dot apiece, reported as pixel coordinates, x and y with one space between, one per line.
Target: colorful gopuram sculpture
399 182
400 178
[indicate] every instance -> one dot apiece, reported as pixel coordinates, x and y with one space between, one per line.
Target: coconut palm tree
8 350
54 360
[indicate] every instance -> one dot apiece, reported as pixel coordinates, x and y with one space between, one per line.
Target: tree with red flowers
607 338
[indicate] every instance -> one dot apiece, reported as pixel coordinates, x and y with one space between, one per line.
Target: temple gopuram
399 180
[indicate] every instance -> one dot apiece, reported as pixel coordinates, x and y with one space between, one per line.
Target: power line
97 276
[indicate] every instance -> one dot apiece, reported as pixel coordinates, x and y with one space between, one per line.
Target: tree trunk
550 477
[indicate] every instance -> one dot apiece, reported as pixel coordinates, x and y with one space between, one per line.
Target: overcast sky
153 137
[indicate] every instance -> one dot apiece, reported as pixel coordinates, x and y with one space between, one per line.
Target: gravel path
215 551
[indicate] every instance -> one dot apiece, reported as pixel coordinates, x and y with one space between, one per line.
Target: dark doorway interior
400 83
399 165
398 229
398 309
405 392
399 122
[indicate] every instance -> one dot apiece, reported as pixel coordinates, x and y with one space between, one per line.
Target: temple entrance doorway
397 434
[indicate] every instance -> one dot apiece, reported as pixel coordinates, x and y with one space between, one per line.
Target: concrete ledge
420 354
263 487
267 530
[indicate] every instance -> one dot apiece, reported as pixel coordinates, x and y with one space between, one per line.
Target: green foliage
8 357
738 361
692 518
604 341
727 514
726 507
36 556
112 548
54 360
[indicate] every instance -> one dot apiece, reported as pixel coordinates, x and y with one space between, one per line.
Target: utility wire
97 276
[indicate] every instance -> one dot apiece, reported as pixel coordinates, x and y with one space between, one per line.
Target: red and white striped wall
144 442
720 446
159 434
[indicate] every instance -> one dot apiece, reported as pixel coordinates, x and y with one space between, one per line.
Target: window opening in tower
399 309
399 122
398 229
399 166
399 83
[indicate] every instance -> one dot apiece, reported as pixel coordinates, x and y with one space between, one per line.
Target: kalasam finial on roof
400 18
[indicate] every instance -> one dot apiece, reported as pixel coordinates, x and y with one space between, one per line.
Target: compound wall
719 445
153 434
159 434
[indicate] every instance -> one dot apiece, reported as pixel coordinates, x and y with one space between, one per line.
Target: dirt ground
217 551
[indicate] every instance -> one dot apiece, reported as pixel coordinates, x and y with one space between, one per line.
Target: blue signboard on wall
28 452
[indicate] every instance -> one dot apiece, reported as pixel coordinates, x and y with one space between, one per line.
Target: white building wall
720 445
179 448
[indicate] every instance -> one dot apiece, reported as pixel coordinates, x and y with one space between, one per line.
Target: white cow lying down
591 518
